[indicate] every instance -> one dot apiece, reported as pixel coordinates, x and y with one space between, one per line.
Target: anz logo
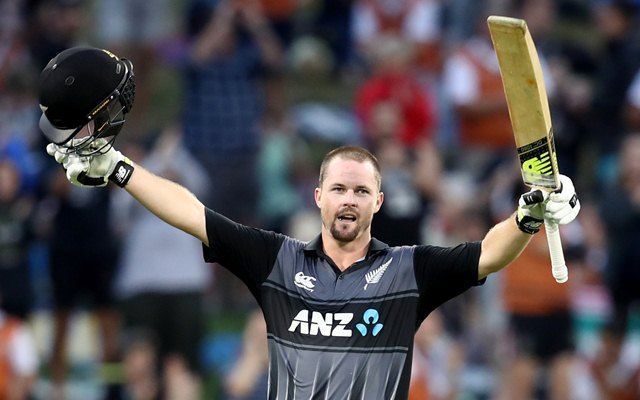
334 324
370 317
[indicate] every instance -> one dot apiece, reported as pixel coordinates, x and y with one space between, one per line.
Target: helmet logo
110 53
69 81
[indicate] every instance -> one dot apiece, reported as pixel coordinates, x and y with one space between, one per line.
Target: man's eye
363 191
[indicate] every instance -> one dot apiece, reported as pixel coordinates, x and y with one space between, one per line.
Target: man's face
348 198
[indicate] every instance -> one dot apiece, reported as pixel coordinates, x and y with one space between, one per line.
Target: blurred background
238 100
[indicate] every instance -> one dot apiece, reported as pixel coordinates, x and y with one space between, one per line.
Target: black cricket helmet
85 94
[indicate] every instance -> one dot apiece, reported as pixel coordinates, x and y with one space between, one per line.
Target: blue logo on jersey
370 317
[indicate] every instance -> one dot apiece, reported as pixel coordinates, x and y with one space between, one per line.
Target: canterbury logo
375 275
305 282
540 165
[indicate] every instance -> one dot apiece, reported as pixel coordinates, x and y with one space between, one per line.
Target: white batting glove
93 170
530 214
563 205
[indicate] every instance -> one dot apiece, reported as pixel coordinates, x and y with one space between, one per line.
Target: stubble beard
348 235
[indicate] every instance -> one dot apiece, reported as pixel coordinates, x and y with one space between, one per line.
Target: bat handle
558 265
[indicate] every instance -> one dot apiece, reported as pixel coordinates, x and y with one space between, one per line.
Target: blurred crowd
238 100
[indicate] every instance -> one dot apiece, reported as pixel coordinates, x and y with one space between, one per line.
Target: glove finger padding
73 159
531 211
532 203
563 206
77 168
51 149
562 213
566 190
60 156
74 169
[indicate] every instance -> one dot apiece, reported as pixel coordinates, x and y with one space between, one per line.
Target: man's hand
563 205
559 207
94 170
530 214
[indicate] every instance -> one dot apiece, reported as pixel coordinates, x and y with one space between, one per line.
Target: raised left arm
502 244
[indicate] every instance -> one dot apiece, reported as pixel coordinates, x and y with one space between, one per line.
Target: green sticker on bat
540 165
537 161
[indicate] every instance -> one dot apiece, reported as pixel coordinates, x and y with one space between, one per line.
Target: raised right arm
169 201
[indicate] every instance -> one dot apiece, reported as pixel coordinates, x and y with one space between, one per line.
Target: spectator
15 235
437 363
53 25
248 378
146 31
162 281
633 104
616 376
620 210
13 51
472 81
332 24
83 258
140 368
393 85
18 125
540 326
539 318
281 14
18 359
232 44
400 219
415 21
232 49
399 121
618 63
281 159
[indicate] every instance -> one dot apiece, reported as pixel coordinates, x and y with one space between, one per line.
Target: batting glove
93 170
530 215
563 205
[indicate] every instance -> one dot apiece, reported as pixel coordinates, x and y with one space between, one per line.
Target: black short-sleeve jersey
333 334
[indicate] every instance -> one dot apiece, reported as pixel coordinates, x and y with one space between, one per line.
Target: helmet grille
128 94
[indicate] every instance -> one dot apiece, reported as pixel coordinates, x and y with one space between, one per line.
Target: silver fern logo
375 275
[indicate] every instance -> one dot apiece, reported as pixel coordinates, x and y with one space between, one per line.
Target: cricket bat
530 118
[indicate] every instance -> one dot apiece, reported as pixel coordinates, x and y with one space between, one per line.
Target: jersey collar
315 247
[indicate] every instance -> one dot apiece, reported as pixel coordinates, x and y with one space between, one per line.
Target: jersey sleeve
443 273
249 253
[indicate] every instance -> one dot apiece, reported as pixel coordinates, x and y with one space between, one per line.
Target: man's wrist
528 224
122 172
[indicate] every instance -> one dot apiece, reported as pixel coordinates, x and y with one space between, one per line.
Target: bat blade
526 95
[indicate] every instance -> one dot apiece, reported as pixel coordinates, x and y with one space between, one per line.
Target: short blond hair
355 153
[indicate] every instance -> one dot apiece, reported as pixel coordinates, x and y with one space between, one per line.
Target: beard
345 235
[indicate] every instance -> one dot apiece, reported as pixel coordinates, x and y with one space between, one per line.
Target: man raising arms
342 309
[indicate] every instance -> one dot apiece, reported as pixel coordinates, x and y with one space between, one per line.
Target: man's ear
317 194
379 201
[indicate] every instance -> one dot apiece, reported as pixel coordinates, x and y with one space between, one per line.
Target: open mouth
347 218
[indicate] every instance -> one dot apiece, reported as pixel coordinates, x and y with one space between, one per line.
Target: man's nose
350 198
